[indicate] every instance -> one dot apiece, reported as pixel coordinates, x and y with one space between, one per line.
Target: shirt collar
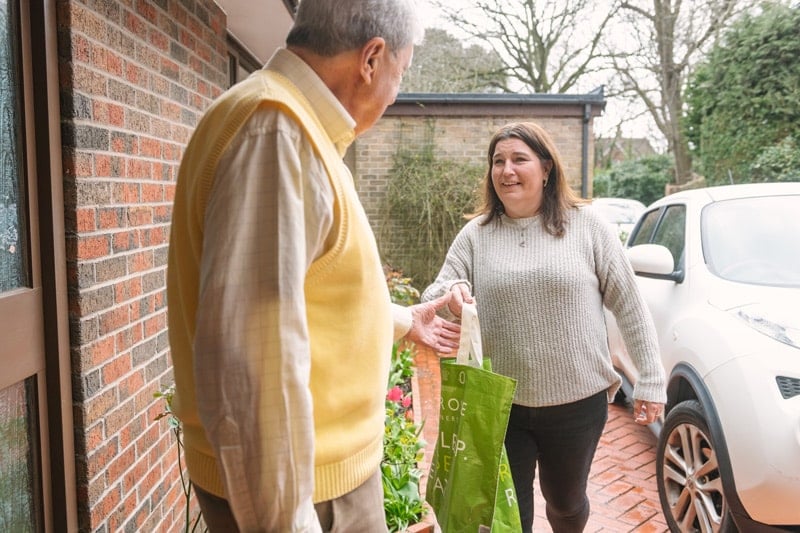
338 123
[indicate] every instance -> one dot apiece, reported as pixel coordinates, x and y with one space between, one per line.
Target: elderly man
280 321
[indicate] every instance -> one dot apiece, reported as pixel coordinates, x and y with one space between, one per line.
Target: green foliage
746 98
403 446
443 65
778 163
401 290
426 201
402 365
641 179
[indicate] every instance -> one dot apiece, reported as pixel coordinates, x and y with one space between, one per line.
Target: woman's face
518 176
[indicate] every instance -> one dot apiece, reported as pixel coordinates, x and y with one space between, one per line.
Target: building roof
500 103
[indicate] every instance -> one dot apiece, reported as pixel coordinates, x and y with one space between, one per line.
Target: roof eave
497 103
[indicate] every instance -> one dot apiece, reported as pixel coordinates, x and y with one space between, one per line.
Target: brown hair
557 196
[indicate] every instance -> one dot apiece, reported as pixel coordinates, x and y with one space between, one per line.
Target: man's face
382 92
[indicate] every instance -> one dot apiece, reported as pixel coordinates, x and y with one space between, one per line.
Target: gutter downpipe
587 113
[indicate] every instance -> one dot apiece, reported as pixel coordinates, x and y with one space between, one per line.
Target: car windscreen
754 240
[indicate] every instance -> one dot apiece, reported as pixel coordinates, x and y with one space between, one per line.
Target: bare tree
442 64
642 50
664 39
547 46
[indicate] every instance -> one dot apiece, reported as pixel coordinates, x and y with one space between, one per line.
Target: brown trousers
356 511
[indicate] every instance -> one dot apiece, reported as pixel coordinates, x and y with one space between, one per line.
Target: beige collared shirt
267 219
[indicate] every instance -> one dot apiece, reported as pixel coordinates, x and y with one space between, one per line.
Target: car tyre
688 474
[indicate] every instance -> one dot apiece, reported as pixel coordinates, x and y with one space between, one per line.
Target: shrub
426 201
643 179
401 290
777 163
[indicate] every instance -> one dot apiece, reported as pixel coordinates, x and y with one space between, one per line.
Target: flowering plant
402 447
400 287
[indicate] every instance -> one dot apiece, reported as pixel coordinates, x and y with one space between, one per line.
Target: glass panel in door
13 255
17 465
21 350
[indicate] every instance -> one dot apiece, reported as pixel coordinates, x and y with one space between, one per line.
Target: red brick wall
135 76
456 138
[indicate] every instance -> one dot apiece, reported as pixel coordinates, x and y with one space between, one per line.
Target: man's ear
372 54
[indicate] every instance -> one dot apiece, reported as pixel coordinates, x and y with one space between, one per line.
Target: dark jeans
562 439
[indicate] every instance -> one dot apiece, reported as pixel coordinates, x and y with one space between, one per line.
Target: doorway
36 463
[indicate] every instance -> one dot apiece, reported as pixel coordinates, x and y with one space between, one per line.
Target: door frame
47 118
46 300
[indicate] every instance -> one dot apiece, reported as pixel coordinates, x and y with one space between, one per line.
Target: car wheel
687 470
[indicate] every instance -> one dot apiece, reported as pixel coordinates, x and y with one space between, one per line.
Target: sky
604 125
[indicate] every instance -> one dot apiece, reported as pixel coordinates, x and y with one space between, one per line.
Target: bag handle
470 350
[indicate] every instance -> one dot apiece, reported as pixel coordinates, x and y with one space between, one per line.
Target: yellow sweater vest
347 301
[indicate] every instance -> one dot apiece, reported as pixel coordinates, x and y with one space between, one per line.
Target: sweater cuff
650 392
460 281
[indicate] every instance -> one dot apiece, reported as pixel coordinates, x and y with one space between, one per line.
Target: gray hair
329 27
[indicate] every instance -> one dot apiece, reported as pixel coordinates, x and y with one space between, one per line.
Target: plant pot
421 527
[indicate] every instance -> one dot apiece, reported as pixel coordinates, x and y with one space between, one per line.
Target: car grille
789 387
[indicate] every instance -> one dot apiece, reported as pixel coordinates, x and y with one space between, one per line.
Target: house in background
98 99
457 128
610 150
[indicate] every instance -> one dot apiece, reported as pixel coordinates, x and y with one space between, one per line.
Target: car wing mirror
654 261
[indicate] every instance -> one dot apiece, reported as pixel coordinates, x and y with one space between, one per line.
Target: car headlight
770 324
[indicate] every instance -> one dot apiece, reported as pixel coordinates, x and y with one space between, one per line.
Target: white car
621 213
720 270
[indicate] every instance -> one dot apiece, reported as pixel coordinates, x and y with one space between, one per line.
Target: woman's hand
460 296
646 412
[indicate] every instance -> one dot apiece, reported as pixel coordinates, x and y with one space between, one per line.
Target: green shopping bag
469 486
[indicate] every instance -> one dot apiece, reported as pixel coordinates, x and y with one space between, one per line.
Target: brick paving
622 483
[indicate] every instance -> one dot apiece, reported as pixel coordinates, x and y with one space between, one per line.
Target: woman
541 267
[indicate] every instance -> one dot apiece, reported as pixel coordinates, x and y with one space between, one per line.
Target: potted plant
403 445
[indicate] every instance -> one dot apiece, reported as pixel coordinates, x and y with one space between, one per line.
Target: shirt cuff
402 321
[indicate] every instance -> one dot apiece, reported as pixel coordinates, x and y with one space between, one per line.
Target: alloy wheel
690 486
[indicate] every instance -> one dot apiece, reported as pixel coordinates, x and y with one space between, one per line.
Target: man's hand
431 330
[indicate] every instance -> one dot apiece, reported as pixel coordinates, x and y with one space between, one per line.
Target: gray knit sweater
540 304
